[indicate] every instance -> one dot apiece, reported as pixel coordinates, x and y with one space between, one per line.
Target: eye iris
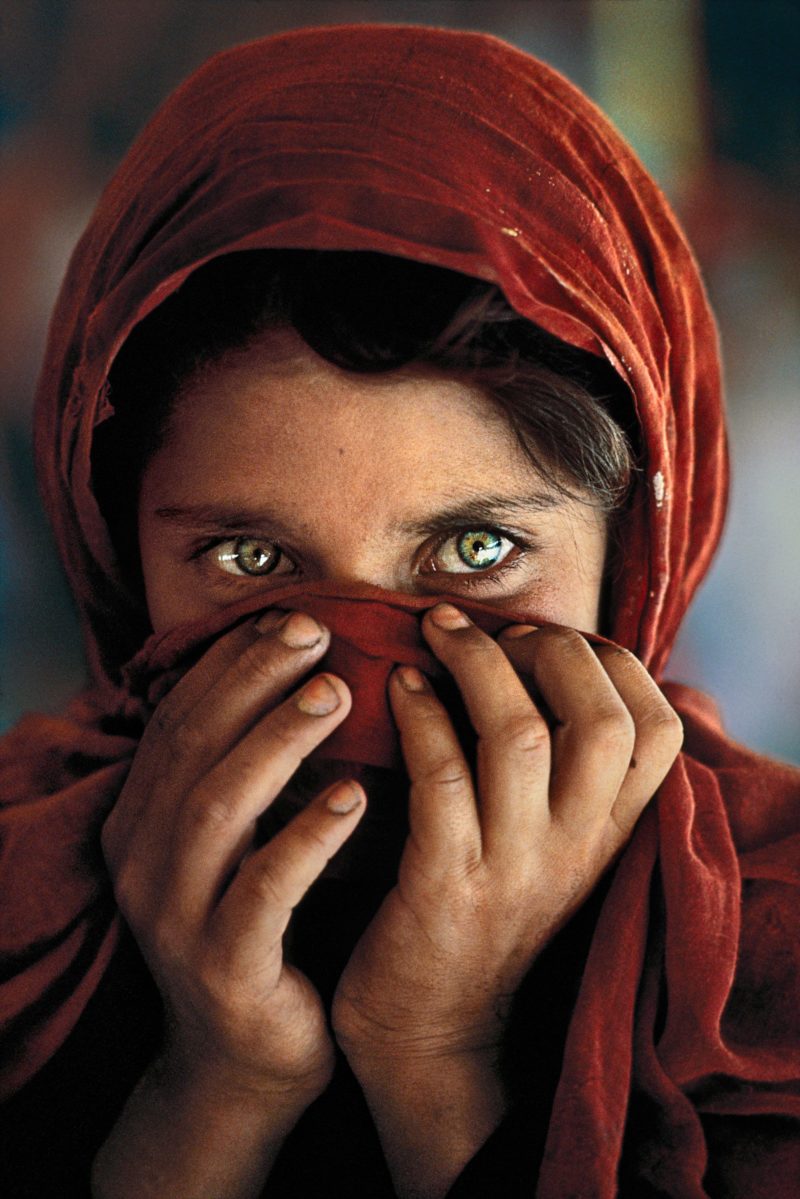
255 557
479 549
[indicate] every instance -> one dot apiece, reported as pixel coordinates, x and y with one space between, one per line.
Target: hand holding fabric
246 1047
494 863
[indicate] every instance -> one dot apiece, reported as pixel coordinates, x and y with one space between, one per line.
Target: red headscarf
457 150
443 147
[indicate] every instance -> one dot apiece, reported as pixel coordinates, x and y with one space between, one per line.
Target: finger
221 697
215 823
513 739
258 904
244 673
594 734
443 814
658 734
195 682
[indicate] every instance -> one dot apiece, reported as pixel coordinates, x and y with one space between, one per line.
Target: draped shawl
453 149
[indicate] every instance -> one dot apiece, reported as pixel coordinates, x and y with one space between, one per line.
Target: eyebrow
481 510
477 509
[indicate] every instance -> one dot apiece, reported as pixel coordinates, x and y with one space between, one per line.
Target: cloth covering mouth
372 632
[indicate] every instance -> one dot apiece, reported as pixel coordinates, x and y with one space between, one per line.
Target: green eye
479 549
476 549
247 555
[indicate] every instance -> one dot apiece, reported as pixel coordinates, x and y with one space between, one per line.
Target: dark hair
366 312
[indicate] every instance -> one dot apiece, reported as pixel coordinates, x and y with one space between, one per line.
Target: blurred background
708 92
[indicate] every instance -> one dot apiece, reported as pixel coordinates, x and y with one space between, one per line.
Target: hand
208 909
494 865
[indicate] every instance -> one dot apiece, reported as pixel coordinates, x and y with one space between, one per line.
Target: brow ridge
471 510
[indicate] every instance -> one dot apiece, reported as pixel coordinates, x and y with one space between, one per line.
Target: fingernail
446 616
344 798
318 697
412 679
300 631
295 629
517 630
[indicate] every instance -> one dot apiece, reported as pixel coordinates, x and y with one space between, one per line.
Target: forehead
276 426
278 392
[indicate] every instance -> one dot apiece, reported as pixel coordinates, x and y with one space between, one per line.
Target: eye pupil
479 549
255 558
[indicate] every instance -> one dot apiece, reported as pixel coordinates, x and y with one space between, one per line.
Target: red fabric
372 631
454 149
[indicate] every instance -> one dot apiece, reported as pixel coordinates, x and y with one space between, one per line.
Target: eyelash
473 580
522 544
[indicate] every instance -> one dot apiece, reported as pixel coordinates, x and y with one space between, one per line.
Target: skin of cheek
392 449
584 580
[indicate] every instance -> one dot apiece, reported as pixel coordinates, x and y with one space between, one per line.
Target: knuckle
447 775
471 867
613 728
525 734
186 739
664 725
283 734
310 841
211 812
263 882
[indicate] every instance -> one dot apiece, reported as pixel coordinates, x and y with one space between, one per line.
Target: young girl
381 433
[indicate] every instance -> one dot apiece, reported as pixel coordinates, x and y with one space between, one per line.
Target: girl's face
279 467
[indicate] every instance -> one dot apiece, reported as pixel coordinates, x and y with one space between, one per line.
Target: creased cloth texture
680 1066
372 631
